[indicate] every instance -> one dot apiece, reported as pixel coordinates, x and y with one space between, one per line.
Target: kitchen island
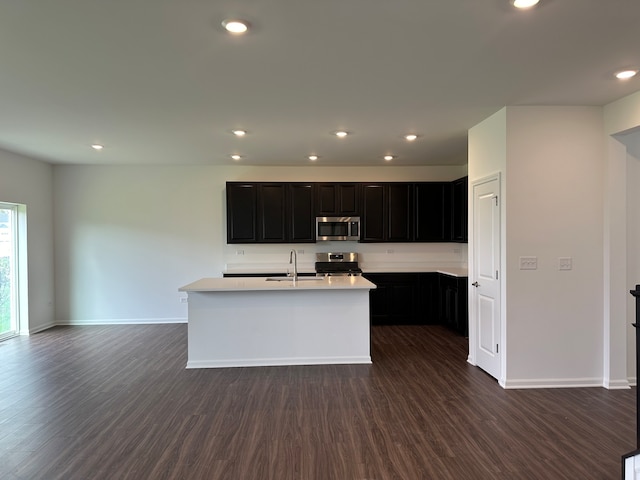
258 321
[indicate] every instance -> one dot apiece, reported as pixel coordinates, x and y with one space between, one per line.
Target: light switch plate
565 263
528 263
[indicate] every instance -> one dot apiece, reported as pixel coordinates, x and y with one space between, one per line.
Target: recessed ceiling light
313 158
388 158
235 26
341 133
97 146
239 133
524 3
235 156
410 137
624 74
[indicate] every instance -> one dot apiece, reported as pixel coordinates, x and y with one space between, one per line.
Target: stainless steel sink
290 279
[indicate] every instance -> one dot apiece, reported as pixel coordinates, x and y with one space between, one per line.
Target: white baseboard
274 362
616 384
39 328
552 383
123 321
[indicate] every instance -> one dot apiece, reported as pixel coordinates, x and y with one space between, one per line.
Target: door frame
473 314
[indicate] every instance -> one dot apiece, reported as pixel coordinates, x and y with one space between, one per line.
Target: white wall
128 237
488 146
633 257
551 160
488 156
29 182
555 158
622 117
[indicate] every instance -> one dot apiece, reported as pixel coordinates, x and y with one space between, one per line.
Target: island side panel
291 327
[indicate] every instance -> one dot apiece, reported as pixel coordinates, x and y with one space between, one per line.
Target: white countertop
230 284
268 270
454 271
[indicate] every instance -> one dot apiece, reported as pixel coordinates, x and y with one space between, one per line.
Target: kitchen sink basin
290 279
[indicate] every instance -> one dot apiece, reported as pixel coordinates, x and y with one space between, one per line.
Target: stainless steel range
340 263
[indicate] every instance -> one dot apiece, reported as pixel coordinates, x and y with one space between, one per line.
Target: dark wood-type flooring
116 402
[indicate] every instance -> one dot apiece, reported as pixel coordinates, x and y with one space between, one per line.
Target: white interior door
486 275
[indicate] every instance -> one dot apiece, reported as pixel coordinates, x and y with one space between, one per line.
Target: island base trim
278 362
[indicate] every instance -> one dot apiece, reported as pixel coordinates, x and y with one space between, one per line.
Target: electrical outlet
528 263
565 263
389 250
301 252
183 299
239 252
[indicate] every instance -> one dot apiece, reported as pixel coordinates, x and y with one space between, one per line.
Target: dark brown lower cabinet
427 298
429 291
403 298
454 310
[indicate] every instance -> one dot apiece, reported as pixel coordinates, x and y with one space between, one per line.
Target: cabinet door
326 199
428 299
337 199
271 213
462 321
395 299
301 217
459 214
448 301
403 298
242 213
348 199
454 309
379 300
399 212
433 212
374 214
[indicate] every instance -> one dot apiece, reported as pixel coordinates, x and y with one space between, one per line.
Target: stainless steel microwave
337 228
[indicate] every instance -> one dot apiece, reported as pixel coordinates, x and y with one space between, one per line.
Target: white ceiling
160 82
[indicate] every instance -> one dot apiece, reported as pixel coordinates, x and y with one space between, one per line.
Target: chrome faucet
293 258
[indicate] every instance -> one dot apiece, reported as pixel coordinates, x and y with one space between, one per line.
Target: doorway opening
9 271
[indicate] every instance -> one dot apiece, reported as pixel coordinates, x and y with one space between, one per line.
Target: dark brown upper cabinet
284 212
242 212
270 212
459 214
387 212
433 212
337 199
301 220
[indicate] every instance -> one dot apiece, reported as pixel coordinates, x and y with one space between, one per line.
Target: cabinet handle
475 284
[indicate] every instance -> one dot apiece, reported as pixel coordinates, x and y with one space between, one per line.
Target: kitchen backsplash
373 256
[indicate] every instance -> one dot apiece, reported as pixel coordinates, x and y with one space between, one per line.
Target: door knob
475 284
